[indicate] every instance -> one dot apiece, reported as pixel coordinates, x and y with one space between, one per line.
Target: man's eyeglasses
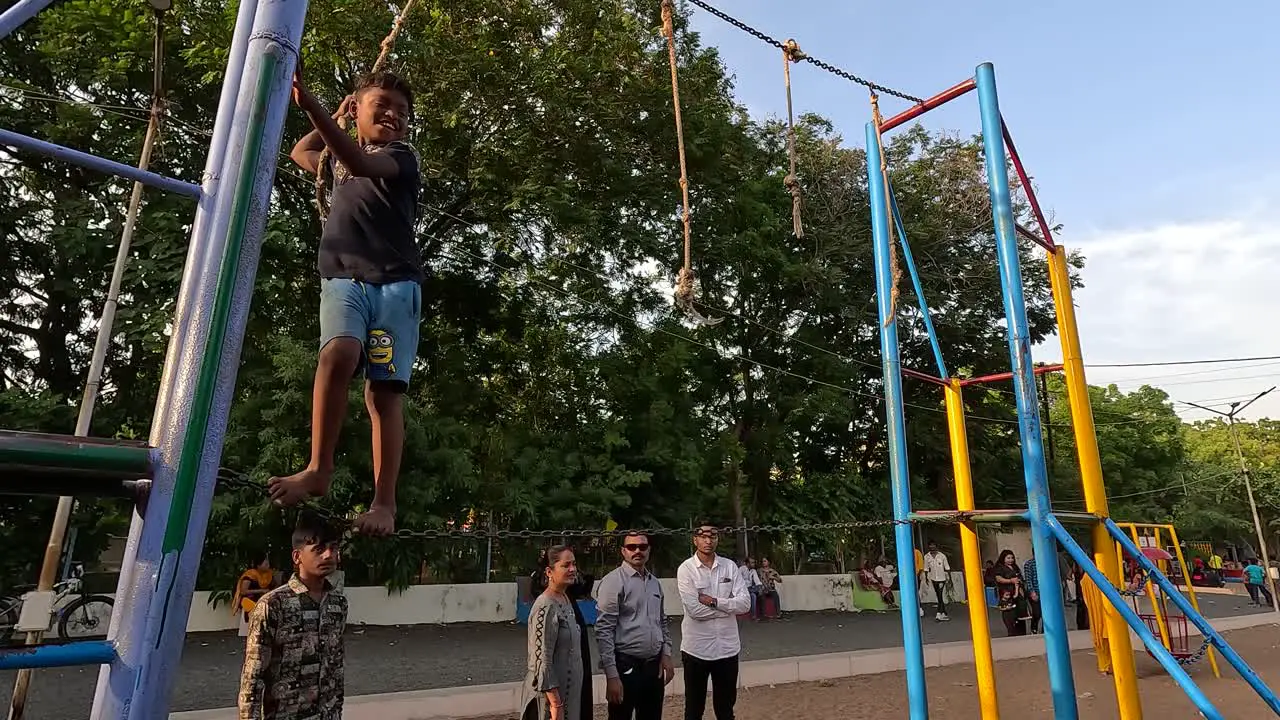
636 547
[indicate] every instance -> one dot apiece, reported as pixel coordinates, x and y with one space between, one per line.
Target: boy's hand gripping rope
894 270
322 165
791 53
685 295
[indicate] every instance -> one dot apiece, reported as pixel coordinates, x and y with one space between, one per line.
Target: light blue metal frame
899 476
915 283
1157 648
1183 604
153 598
19 13
1058 648
85 652
93 162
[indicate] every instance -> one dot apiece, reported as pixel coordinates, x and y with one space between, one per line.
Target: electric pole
1236 408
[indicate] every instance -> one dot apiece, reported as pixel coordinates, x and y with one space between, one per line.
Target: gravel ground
1022 687
393 659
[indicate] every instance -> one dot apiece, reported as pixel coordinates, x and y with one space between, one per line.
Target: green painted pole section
193 446
56 452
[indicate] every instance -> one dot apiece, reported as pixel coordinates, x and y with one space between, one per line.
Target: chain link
1197 657
231 480
808 58
1141 587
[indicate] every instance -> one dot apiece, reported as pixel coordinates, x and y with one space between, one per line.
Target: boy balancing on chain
370 288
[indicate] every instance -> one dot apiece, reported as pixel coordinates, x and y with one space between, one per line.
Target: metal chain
232 480
1197 657
807 58
1140 587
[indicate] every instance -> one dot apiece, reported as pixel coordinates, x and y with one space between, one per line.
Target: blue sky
1147 127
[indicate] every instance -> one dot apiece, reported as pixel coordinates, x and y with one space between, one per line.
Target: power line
1184 362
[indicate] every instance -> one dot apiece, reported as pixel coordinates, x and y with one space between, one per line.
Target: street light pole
1236 408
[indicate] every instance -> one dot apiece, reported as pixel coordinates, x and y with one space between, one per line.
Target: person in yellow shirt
1215 561
253 584
919 575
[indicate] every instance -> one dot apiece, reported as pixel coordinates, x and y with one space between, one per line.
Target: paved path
420 657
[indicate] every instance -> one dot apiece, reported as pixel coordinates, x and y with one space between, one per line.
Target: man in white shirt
886 573
938 571
713 593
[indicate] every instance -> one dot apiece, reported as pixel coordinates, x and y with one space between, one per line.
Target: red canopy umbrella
1155 553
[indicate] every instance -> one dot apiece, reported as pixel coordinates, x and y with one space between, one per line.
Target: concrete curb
504 698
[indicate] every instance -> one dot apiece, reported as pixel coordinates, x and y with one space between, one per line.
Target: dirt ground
1023 688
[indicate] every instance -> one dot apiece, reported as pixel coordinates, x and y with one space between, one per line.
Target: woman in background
253 584
1009 588
553 684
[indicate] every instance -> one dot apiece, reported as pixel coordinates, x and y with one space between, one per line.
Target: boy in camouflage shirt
294 652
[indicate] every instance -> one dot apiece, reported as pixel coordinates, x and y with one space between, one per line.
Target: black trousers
723 674
940 591
642 690
1036 615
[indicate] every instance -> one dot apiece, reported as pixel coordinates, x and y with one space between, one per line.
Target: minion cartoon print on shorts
381 352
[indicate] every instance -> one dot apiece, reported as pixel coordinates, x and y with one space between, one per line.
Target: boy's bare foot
378 521
293 489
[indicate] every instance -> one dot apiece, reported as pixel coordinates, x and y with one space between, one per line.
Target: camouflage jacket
293 656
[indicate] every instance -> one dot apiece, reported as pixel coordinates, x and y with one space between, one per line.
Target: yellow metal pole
1095 493
974 589
1191 590
1156 605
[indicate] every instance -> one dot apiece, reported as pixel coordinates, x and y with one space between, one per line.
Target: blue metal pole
915 283
88 652
1157 648
1057 646
899 477
204 371
1219 643
19 13
93 162
137 577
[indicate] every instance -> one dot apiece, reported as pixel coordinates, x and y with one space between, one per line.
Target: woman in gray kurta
553 685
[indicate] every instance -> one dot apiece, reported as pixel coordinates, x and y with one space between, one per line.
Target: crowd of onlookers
293 664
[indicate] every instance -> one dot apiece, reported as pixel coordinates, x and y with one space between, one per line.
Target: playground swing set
179 466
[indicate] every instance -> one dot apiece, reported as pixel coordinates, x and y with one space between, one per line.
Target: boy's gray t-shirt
369 235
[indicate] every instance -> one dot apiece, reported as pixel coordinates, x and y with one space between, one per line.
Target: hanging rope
894 270
322 167
791 53
685 295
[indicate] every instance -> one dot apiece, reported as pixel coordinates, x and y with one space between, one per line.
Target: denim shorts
383 317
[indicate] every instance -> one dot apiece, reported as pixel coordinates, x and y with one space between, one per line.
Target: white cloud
1179 292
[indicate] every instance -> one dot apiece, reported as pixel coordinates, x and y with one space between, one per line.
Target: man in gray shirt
632 636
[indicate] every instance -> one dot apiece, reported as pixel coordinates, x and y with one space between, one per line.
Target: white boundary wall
496 602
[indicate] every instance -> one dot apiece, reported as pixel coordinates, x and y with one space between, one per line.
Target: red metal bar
924 376
1045 235
1024 232
919 109
1039 370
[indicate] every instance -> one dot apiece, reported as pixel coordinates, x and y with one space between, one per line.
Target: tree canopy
556 387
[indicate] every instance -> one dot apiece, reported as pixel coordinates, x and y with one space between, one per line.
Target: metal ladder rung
24 456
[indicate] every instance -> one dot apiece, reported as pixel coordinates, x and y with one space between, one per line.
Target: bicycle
85 617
